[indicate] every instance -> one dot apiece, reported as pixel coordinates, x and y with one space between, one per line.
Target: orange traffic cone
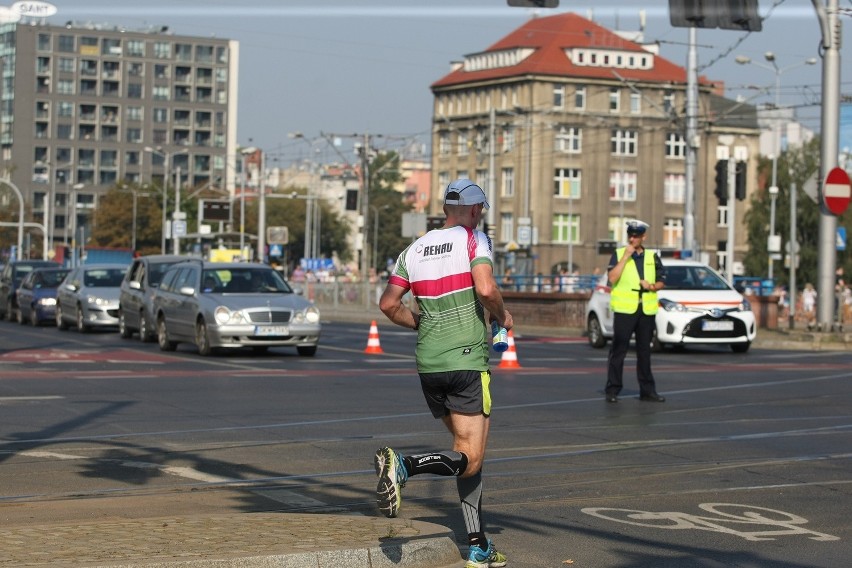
510 356
373 345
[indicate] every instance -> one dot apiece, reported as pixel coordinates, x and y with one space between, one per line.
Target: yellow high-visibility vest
625 296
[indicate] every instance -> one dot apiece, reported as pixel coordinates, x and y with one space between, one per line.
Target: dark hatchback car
137 291
10 279
37 295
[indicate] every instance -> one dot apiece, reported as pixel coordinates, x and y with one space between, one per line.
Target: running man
450 273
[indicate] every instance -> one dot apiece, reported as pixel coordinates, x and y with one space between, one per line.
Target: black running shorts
466 392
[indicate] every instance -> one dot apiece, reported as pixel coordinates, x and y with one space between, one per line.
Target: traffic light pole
732 218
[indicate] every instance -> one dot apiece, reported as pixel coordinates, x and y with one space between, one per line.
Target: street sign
179 228
837 192
841 238
524 235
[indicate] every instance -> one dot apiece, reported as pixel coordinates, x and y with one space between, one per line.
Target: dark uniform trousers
624 325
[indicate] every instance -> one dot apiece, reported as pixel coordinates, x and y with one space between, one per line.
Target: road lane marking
26 398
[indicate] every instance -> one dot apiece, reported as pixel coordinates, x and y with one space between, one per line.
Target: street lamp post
245 152
776 136
166 156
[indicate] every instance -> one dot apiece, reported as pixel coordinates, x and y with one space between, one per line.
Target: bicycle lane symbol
785 524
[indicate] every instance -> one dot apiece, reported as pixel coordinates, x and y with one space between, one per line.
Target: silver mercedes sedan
230 305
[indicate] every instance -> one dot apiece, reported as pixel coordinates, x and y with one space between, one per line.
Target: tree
389 204
795 165
112 223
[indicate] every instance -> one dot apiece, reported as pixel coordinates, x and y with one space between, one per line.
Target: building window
66 65
162 50
617 229
111 46
672 233
66 44
622 186
44 43
443 181
134 91
674 189
559 97
464 143
66 108
623 142
204 54
162 71
566 183
675 146
134 135
160 93
444 144
136 48
65 132
161 115
136 69
508 138
580 98
566 228
614 99
668 102
635 103
507 186
183 52
135 113
569 139
507 227
65 86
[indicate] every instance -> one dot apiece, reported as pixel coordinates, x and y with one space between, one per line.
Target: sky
331 69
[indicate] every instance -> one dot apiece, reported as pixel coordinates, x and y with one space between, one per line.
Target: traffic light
721 180
534 3
725 14
352 200
740 184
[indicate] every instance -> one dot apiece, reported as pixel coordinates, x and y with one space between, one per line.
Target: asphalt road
747 464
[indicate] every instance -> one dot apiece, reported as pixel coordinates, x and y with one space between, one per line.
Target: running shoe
392 478
478 558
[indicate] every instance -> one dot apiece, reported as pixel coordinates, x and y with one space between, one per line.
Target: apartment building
573 129
85 107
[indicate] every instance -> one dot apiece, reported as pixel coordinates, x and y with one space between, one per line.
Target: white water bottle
499 337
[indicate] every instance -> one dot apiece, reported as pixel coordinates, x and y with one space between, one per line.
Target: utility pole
831 36
689 241
365 208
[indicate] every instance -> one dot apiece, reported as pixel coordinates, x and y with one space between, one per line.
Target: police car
697 306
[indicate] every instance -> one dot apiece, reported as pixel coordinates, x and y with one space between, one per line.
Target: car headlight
98 301
224 316
671 306
745 305
47 302
310 314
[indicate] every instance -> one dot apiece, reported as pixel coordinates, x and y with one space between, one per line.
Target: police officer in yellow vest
636 274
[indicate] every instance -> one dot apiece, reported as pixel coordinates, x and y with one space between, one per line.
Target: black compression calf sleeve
447 463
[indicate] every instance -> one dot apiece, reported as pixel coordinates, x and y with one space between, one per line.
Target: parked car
230 305
88 297
11 278
135 300
37 295
696 306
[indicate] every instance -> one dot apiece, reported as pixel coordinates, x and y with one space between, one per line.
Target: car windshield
51 278
693 278
103 277
244 281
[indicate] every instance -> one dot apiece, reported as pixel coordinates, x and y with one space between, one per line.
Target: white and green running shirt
436 268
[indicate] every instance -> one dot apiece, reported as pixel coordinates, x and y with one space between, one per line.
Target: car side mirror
187 291
134 285
71 287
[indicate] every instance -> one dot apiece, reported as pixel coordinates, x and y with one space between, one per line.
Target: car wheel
145 334
81 322
163 340
10 311
202 338
20 317
34 321
123 330
60 322
307 350
595 332
740 347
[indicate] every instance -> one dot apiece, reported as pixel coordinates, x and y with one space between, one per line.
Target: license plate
725 325
271 330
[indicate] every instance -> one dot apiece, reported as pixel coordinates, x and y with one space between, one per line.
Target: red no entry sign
836 192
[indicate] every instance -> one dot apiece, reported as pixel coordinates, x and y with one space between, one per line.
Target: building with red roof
574 129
